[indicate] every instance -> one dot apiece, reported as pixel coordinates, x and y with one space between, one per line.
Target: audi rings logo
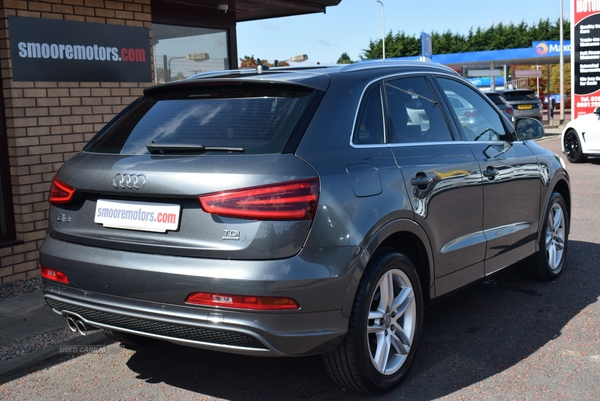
131 181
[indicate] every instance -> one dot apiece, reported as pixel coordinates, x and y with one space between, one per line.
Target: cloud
326 43
270 26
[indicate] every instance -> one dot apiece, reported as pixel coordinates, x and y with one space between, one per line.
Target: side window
369 128
414 112
479 120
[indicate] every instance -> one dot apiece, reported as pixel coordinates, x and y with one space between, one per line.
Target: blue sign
486 81
538 50
426 45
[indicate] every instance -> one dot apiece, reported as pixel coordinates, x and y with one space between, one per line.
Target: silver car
524 102
296 211
502 104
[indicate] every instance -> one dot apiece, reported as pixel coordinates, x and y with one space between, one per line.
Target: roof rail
250 71
370 64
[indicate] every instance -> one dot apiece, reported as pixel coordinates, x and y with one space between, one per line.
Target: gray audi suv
293 212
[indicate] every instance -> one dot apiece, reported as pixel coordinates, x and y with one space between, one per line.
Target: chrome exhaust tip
72 324
82 328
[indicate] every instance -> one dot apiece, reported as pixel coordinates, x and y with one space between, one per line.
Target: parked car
295 212
581 137
502 104
524 102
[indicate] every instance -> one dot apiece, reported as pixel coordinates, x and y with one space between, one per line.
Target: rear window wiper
163 148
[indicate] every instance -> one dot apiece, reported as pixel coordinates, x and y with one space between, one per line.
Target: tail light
294 200
241 301
54 275
473 113
60 193
510 110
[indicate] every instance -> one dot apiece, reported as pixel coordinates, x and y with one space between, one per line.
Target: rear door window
237 118
414 112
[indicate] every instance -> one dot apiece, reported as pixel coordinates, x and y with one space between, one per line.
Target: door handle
420 181
490 173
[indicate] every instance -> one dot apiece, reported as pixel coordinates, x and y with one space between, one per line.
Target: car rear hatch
199 169
522 99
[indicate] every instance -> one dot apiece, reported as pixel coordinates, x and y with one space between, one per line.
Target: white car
581 137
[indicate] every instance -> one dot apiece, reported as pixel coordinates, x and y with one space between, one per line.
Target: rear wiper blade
162 148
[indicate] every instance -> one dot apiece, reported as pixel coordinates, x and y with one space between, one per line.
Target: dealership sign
71 51
585 59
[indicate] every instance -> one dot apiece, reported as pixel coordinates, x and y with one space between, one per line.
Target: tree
500 36
399 45
344 59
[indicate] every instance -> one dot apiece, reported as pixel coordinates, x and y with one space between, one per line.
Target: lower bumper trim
169 330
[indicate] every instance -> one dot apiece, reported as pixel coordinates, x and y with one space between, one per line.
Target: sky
352 24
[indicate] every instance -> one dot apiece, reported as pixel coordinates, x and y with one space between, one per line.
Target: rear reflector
241 301
294 200
54 275
60 193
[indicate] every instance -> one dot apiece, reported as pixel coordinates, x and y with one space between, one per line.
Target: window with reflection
182 51
369 127
414 112
478 119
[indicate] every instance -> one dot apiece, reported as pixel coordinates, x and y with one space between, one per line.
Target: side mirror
597 111
529 128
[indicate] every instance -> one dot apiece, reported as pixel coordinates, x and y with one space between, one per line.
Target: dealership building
68 66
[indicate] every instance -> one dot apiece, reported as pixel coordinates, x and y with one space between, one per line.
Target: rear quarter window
495 98
253 119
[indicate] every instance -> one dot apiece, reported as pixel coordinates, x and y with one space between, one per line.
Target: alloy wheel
572 147
391 322
555 237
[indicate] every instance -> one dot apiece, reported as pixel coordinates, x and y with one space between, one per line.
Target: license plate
525 107
141 216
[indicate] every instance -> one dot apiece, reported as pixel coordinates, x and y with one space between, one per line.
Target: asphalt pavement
25 319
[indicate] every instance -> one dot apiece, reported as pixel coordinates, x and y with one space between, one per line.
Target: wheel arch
560 185
406 237
564 189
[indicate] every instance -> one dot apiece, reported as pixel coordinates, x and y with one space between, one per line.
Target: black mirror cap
529 128
597 111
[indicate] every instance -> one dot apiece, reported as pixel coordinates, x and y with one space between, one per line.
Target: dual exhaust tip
77 325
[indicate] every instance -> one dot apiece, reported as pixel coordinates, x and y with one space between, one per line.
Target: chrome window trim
385 134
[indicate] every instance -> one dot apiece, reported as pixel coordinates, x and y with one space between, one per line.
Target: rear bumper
241 334
145 295
535 113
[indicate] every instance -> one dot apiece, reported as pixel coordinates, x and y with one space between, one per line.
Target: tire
383 333
572 147
548 263
131 340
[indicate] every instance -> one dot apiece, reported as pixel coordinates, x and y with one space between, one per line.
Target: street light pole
382 27
562 66
168 72
192 56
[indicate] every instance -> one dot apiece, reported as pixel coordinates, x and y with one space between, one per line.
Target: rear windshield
238 118
519 95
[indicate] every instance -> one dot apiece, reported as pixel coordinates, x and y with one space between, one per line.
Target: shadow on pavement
468 337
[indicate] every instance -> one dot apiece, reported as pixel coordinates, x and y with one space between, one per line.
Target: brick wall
49 122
